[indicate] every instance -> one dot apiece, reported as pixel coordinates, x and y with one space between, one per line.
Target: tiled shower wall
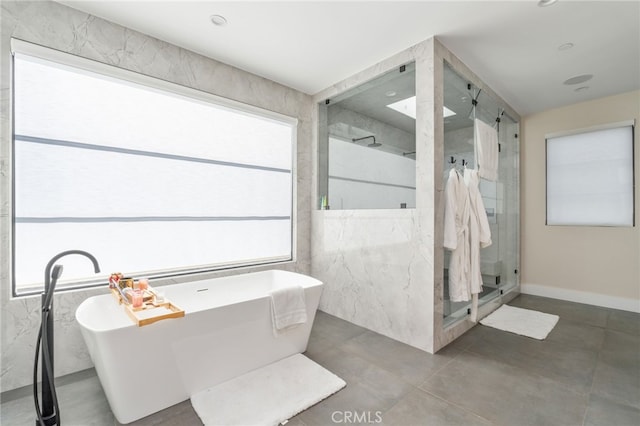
59 27
377 265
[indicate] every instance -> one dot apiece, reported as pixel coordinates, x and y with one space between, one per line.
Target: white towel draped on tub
288 308
486 150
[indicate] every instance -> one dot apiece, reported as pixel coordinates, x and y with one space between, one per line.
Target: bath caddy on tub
150 311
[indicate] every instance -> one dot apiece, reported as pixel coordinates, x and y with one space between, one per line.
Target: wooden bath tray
150 311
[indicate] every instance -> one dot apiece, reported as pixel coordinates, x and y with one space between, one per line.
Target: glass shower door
499 262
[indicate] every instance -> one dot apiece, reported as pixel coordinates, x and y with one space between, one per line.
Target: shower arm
364 137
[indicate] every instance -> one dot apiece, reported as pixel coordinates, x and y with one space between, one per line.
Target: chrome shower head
371 145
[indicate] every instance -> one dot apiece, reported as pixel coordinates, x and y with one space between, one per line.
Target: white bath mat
524 322
268 395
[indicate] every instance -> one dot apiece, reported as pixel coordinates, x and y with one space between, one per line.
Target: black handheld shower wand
50 413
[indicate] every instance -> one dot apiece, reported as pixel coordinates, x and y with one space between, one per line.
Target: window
590 177
152 178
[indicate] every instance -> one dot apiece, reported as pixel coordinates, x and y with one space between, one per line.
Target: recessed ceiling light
566 46
390 94
544 3
581 88
578 79
218 20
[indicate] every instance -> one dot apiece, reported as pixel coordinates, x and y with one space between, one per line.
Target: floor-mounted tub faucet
50 413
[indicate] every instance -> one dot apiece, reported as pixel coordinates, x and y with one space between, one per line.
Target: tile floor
587 372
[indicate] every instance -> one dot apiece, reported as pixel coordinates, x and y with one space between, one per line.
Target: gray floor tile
568 311
617 375
621 348
318 345
566 364
18 412
627 322
577 335
349 367
505 394
356 398
468 339
420 408
388 387
408 363
82 403
603 412
383 385
334 329
181 414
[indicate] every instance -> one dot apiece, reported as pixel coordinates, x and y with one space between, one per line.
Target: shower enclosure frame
446 333
393 283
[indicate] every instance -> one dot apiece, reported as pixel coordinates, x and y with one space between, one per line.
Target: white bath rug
524 322
268 395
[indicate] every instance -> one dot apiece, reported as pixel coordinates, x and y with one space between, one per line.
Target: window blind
150 180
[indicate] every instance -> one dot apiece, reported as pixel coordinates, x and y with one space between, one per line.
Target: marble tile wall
59 27
342 120
370 262
377 265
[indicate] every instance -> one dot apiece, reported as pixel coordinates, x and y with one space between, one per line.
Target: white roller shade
148 176
590 177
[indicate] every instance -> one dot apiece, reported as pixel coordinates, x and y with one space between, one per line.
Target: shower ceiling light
218 20
565 46
545 3
578 79
408 108
390 94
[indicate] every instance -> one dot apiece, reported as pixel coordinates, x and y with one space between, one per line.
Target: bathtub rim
124 322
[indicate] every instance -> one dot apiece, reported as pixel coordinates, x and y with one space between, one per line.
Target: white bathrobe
456 236
466 230
479 230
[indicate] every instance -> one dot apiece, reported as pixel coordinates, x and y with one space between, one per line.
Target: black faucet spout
48 291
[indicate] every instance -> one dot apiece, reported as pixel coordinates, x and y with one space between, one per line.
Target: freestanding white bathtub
226 332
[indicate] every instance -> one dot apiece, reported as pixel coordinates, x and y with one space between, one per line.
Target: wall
377 265
59 27
595 265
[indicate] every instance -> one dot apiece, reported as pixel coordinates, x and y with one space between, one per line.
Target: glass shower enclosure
463 103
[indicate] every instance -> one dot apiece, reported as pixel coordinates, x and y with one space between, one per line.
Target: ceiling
513 46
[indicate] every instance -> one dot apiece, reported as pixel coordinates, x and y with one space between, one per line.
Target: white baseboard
622 303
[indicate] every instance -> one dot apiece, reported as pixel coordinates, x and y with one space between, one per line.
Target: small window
590 177
152 178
